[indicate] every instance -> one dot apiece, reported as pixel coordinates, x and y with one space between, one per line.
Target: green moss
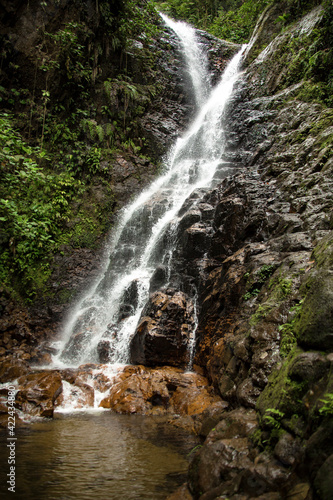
323 253
282 393
262 311
281 286
256 280
314 326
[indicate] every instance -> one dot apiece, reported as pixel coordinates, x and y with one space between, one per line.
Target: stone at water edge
163 391
37 393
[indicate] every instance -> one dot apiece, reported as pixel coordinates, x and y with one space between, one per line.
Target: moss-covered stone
323 252
314 327
282 393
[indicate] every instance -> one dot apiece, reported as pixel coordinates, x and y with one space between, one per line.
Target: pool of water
97 456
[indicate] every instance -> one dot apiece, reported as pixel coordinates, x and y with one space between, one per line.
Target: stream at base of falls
97 455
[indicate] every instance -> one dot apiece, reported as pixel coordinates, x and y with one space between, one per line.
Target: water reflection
103 456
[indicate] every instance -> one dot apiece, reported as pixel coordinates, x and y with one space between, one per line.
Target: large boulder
38 392
165 330
159 391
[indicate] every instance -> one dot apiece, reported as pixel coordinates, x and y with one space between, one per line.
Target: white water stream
111 310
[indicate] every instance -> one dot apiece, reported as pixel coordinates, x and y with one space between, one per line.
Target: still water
100 456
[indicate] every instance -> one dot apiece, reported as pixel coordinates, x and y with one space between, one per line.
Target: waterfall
143 240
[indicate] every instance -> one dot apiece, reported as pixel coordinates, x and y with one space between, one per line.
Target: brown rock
11 369
164 331
162 390
191 402
182 493
288 449
38 392
237 423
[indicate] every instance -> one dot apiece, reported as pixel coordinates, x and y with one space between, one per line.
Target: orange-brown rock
38 392
11 369
182 493
165 390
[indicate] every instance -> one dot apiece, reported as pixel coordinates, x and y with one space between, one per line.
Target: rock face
165 331
265 282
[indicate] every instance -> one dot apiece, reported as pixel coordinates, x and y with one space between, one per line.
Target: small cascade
103 323
90 388
195 57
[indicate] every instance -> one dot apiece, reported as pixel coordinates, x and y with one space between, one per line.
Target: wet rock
228 220
182 493
247 393
76 345
192 402
38 392
315 325
12 369
190 218
301 491
104 351
129 301
324 479
234 424
158 279
164 331
288 449
308 366
164 390
319 447
216 463
227 463
196 240
211 416
136 393
78 395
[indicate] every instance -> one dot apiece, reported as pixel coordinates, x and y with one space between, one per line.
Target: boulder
324 479
38 392
163 390
164 331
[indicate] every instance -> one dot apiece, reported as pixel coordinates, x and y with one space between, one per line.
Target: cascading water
144 236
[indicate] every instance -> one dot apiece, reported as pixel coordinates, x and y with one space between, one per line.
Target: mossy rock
282 393
314 327
323 252
324 479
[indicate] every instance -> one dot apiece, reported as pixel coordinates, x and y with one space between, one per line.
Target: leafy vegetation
255 282
287 331
232 20
59 133
326 410
34 204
